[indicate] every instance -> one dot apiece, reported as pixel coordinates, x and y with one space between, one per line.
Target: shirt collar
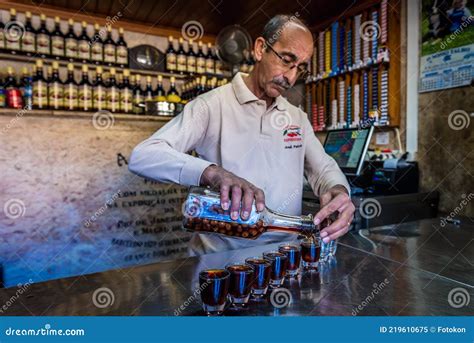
245 95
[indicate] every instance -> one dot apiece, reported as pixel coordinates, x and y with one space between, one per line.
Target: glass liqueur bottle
85 91
28 37
203 213
113 93
57 40
71 42
12 40
99 92
191 58
83 47
170 56
26 88
43 39
40 88
122 50
209 60
160 94
97 48
181 58
55 89
70 90
109 48
200 60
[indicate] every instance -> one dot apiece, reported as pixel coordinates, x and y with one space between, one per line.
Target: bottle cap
138 77
99 70
181 40
24 70
55 65
148 78
109 28
85 69
112 71
39 63
126 72
42 17
96 26
160 78
28 14
12 11
84 24
10 70
70 66
172 79
57 19
121 30
170 38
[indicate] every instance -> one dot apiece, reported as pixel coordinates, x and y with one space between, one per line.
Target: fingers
224 190
247 202
339 227
334 205
235 202
259 199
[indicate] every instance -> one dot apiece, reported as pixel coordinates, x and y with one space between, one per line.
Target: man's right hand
241 190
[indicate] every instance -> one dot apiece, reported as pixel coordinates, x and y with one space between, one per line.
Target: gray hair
275 26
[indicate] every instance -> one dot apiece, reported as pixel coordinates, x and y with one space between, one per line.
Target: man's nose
291 75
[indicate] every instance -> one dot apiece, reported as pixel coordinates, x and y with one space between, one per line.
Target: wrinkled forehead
297 39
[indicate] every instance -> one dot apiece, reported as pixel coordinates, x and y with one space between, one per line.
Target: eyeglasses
302 72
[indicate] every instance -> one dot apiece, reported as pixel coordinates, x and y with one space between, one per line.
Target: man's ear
259 48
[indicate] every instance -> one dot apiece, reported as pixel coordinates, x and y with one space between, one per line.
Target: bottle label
2 39
99 98
209 207
97 52
3 98
171 61
122 55
191 64
14 99
126 101
201 65
210 66
85 98
28 42
70 97
13 42
181 63
84 50
43 43
40 99
218 67
137 99
109 53
56 95
71 47
113 99
57 46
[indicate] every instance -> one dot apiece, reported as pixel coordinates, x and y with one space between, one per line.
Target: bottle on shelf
191 58
137 94
57 40
97 48
171 56
71 42
126 93
149 92
160 94
28 39
56 89
181 58
109 48
99 93
113 93
83 45
43 39
12 37
70 90
218 66
26 88
40 88
122 50
3 95
2 37
173 96
200 60
210 60
85 91
13 93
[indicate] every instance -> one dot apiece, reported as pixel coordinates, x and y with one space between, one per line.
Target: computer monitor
348 147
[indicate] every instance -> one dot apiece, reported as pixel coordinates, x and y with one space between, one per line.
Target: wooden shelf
79 114
350 72
376 127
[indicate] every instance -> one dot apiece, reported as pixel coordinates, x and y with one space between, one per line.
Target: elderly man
252 144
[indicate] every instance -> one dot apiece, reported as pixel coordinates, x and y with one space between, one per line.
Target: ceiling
213 15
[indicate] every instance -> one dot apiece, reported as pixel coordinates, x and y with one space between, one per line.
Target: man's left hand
335 199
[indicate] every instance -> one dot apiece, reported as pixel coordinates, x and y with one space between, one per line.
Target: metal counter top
405 270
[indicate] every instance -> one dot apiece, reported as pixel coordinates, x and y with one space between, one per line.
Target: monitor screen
348 147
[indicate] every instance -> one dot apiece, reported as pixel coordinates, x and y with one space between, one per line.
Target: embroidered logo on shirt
292 133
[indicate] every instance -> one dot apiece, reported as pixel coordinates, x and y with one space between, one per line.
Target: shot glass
279 265
214 285
293 253
241 278
261 276
310 253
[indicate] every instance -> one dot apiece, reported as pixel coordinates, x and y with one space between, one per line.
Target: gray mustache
282 82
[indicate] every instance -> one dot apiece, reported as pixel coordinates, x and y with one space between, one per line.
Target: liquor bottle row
200 85
99 48
353 100
188 61
122 93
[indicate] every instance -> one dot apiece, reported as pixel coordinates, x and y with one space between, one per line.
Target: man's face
295 46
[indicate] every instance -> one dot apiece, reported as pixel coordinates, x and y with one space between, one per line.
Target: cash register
366 176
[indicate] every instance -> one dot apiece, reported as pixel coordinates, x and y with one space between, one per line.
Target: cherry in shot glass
241 278
214 285
261 276
279 265
310 253
293 253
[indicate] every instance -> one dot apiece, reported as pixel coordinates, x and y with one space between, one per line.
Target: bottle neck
275 221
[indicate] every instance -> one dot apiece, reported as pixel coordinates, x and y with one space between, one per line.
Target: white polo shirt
229 126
